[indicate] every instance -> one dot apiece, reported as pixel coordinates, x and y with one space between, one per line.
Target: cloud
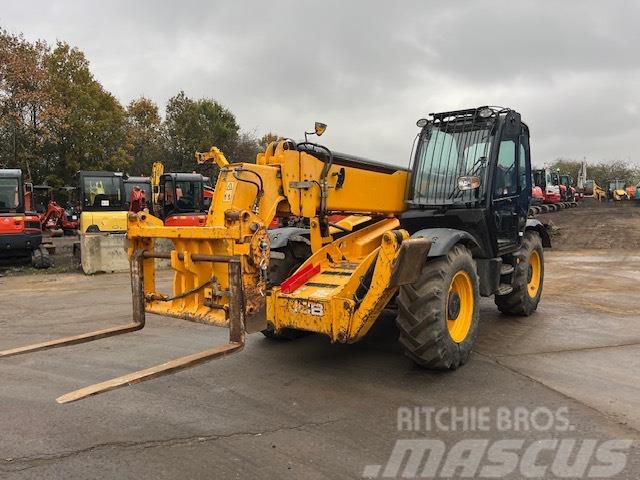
370 69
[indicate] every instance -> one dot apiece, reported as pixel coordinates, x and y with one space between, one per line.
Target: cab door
506 195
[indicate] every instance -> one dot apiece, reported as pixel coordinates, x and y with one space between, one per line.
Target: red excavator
567 190
56 219
184 199
179 199
554 190
20 229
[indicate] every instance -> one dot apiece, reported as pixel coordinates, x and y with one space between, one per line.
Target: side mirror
513 124
320 128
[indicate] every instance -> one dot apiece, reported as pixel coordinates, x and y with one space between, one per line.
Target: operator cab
617 185
20 231
566 181
472 172
11 195
184 198
102 201
142 183
101 191
42 195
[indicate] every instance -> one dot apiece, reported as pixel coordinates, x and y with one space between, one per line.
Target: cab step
504 289
506 269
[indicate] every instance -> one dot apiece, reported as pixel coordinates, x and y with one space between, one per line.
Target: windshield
539 178
186 197
40 198
9 194
102 192
617 185
144 186
446 153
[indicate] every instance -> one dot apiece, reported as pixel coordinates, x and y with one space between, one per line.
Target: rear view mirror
320 128
512 124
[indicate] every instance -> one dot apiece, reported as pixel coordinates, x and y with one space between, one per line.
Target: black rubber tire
40 258
285 334
422 313
280 270
518 302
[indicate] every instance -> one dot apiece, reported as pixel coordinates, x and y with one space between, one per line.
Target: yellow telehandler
432 239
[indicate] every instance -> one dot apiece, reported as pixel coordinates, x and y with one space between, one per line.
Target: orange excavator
56 220
20 229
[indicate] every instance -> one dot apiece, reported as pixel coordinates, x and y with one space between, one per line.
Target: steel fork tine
236 339
137 324
152 372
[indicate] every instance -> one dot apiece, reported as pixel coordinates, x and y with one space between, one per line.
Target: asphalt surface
306 409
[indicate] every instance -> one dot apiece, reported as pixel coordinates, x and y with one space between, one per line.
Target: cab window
506 176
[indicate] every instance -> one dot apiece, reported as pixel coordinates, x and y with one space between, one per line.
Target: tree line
56 118
601 172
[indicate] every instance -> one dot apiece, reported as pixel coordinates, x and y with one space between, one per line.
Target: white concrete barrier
107 253
103 253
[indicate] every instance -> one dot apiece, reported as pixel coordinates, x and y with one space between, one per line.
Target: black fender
541 228
279 237
443 239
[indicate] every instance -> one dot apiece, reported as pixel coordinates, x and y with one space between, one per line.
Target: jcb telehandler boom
452 229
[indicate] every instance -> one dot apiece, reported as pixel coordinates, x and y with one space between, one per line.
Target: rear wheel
438 314
529 277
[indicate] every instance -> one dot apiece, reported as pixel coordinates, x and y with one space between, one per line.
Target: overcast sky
370 69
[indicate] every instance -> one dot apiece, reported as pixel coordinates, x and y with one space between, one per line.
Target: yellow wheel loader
617 190
433 239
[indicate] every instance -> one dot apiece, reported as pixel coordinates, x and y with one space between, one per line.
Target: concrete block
105 253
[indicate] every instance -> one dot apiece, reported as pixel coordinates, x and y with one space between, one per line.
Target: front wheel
438 314
293 255
529 277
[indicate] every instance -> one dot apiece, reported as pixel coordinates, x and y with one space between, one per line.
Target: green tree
245 149
602 172
267 138
29 114
196 125
144 135
56 118
92 134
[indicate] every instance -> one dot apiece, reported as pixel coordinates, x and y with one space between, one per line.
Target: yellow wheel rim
460 306
535 274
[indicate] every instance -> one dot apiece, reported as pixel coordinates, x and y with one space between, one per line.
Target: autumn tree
92 135
56 118
196 125
602 172
267 138
29 115
245 149
144 135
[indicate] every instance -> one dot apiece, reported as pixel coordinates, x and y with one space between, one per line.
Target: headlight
485 112
468 183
